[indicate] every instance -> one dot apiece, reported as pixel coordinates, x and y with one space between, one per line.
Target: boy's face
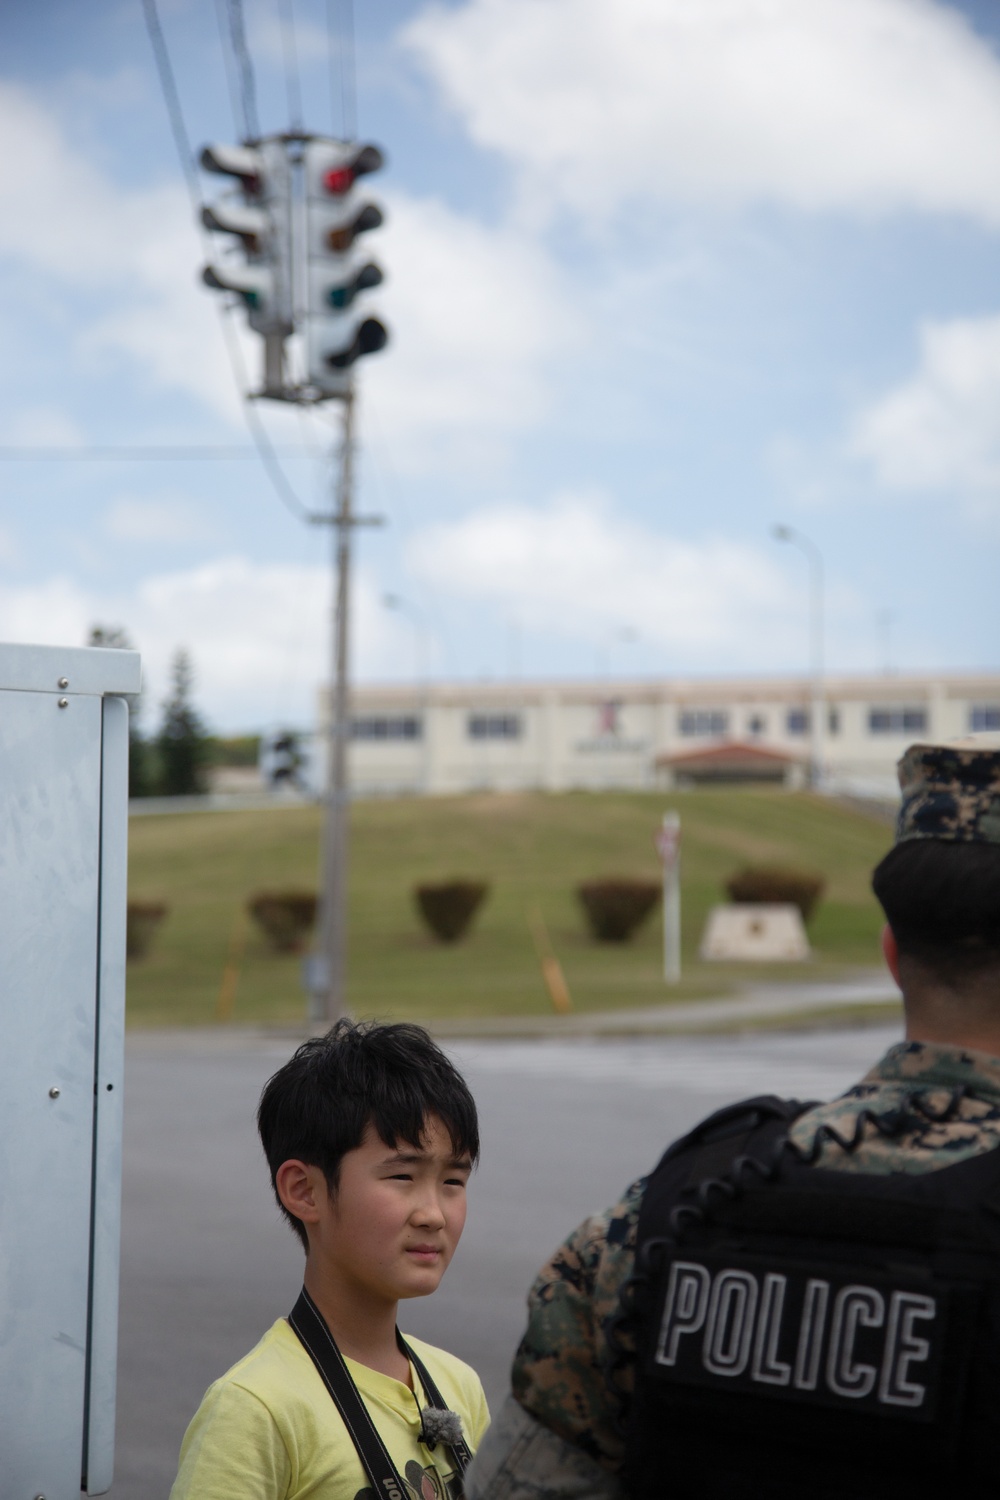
396 1218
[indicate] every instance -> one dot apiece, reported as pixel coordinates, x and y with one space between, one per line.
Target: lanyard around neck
309 1325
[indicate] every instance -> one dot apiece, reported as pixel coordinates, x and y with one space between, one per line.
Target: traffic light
257 213
337 216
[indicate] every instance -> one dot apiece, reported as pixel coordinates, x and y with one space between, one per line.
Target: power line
228 64
132 453
248 88
343 84
259 433
171 98
261 438
293 86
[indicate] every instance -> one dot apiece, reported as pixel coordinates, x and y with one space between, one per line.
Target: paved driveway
207 1264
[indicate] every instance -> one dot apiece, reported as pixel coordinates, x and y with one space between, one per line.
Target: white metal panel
50 823
85 669
98 1463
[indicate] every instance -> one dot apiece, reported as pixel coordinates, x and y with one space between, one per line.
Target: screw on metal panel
64 682
64 703
54 1092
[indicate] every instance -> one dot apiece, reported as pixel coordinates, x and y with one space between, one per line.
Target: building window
797 721
984 716
757 725
897 720
704 721
833 720
379 727
494 726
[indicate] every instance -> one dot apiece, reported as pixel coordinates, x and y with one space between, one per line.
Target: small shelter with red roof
731 763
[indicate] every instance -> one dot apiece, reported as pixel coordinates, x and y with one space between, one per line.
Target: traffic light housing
257 213
338 214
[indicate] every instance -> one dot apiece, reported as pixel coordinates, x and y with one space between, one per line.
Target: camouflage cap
951 791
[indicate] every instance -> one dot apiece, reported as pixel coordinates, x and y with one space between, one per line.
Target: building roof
794 690
730 756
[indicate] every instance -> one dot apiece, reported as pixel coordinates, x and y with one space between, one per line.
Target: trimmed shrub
142 918
615 907
766 884
448 906
284 917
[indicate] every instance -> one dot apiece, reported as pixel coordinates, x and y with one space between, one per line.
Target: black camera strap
460 1451
310 1327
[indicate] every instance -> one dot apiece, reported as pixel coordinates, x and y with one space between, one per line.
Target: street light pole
817 713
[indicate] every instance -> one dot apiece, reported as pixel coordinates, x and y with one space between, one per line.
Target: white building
512 736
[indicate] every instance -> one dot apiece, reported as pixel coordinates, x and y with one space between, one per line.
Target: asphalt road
207 1264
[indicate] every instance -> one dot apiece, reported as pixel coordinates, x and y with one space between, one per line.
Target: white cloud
53 612
578 570
859 105
133 252
475 314
258 633
940 429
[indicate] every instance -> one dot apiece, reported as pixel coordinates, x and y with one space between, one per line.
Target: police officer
804 1300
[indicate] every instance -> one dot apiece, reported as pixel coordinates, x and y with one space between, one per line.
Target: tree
140 768
182 743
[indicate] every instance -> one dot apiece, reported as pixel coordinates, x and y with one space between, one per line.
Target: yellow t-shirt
269 1430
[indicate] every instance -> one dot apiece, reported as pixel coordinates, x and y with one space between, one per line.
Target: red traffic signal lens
338 180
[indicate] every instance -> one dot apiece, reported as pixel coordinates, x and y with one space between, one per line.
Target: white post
668 842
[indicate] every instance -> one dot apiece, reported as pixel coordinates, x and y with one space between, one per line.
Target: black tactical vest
802 1332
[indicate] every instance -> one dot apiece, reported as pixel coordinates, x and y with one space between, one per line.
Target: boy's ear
302 1189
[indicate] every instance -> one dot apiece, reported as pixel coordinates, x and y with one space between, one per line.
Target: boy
370 1135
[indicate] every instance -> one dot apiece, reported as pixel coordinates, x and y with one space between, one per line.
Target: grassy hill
534 848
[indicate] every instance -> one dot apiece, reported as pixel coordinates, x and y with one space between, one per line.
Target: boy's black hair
942 900
317 1107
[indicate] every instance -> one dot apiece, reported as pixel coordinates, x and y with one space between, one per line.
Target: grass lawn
534 848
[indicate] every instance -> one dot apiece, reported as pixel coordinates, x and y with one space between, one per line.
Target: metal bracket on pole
274 366
327 518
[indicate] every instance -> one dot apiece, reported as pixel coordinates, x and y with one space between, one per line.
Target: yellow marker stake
555 979
226 1003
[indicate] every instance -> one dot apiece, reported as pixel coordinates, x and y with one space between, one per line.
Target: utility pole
327 990
327 979
295 212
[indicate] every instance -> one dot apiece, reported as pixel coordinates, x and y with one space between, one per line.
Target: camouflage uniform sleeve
558 1375
519 1459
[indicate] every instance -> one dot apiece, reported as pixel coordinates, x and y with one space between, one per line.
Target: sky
659 275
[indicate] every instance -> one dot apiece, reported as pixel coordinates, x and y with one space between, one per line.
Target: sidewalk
872 996
867 999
